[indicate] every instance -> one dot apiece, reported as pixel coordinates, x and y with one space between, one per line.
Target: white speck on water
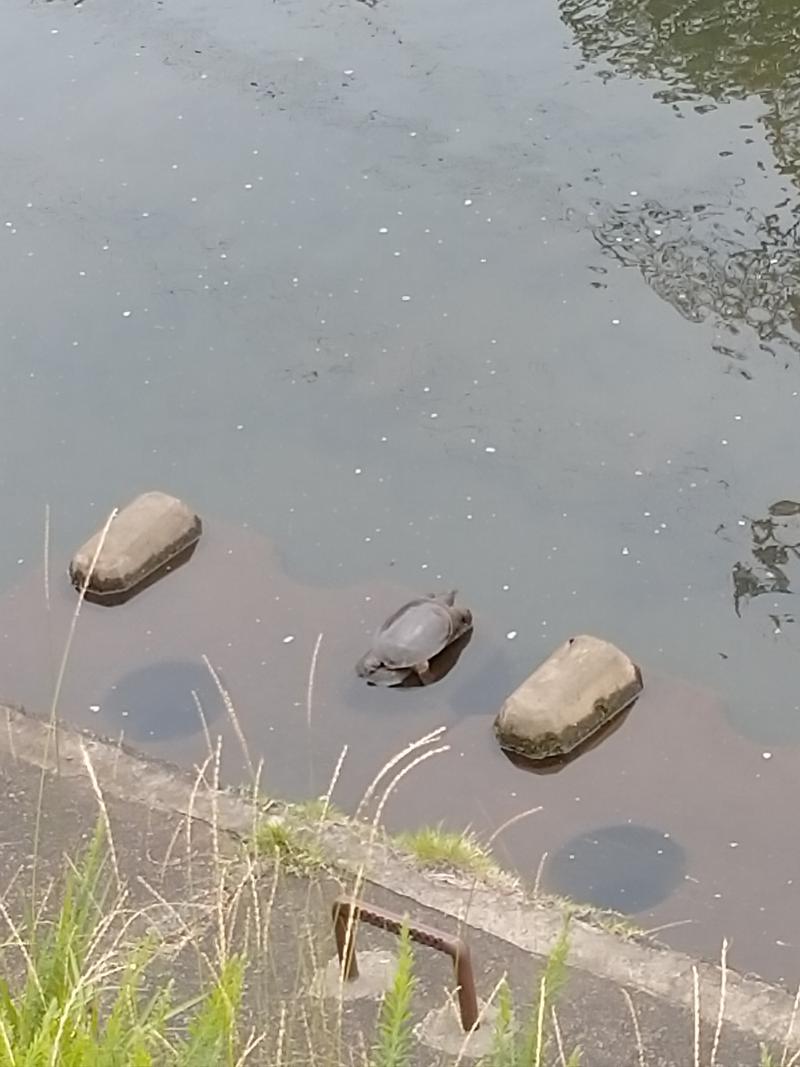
94 707
349 73
240 426
145 214
723 441
248 185
203 76
288 639
615 322
467 203
734 844
490 448
634 192
766 755
505 588
405 299
54 31
626 551
741 522
511 635
126 314
738 418
658 232
357 470
383 229
434 414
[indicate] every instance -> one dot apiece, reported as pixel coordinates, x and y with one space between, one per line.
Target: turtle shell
414 634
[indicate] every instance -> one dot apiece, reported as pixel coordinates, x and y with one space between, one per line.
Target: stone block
579 688
145 536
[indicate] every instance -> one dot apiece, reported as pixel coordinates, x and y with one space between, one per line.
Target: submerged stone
626 868
146 536
161 701
584 684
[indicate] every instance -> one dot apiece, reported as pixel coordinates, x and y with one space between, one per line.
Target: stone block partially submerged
584 684
146 536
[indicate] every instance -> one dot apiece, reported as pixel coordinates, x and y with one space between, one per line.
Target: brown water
409 297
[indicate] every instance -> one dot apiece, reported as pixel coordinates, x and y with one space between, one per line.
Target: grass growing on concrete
433 846
81 1000
394 1046
317 810
283 838
529 1044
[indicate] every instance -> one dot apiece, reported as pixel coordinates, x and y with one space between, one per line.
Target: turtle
411 637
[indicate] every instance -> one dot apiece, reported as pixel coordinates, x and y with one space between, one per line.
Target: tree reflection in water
702 266
718 49
729 261
776 545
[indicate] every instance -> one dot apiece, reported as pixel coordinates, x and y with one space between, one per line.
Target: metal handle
454 947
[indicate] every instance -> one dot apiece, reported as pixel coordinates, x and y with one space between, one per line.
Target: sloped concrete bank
751 1008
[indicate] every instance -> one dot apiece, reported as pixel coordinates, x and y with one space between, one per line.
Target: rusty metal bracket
454 947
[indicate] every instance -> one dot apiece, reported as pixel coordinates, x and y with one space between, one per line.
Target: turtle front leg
423 671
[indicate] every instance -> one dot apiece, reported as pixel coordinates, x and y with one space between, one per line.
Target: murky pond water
405 297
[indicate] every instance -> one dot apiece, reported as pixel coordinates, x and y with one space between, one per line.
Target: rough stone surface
146 534
577 690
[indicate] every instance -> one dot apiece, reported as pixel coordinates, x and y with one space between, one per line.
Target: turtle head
368 665
462 620
448 598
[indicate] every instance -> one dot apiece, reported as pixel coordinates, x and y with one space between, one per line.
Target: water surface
406 297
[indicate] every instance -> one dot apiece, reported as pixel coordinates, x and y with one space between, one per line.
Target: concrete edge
750 1004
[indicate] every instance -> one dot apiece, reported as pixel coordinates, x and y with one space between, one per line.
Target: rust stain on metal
345 930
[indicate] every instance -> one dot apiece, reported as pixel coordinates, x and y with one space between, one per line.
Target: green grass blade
394 1038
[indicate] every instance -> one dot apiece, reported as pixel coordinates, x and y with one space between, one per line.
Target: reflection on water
727 258
722 49
775 546
554 764
730 262
625 868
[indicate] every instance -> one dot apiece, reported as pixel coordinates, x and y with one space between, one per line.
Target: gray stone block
146 536
576 691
